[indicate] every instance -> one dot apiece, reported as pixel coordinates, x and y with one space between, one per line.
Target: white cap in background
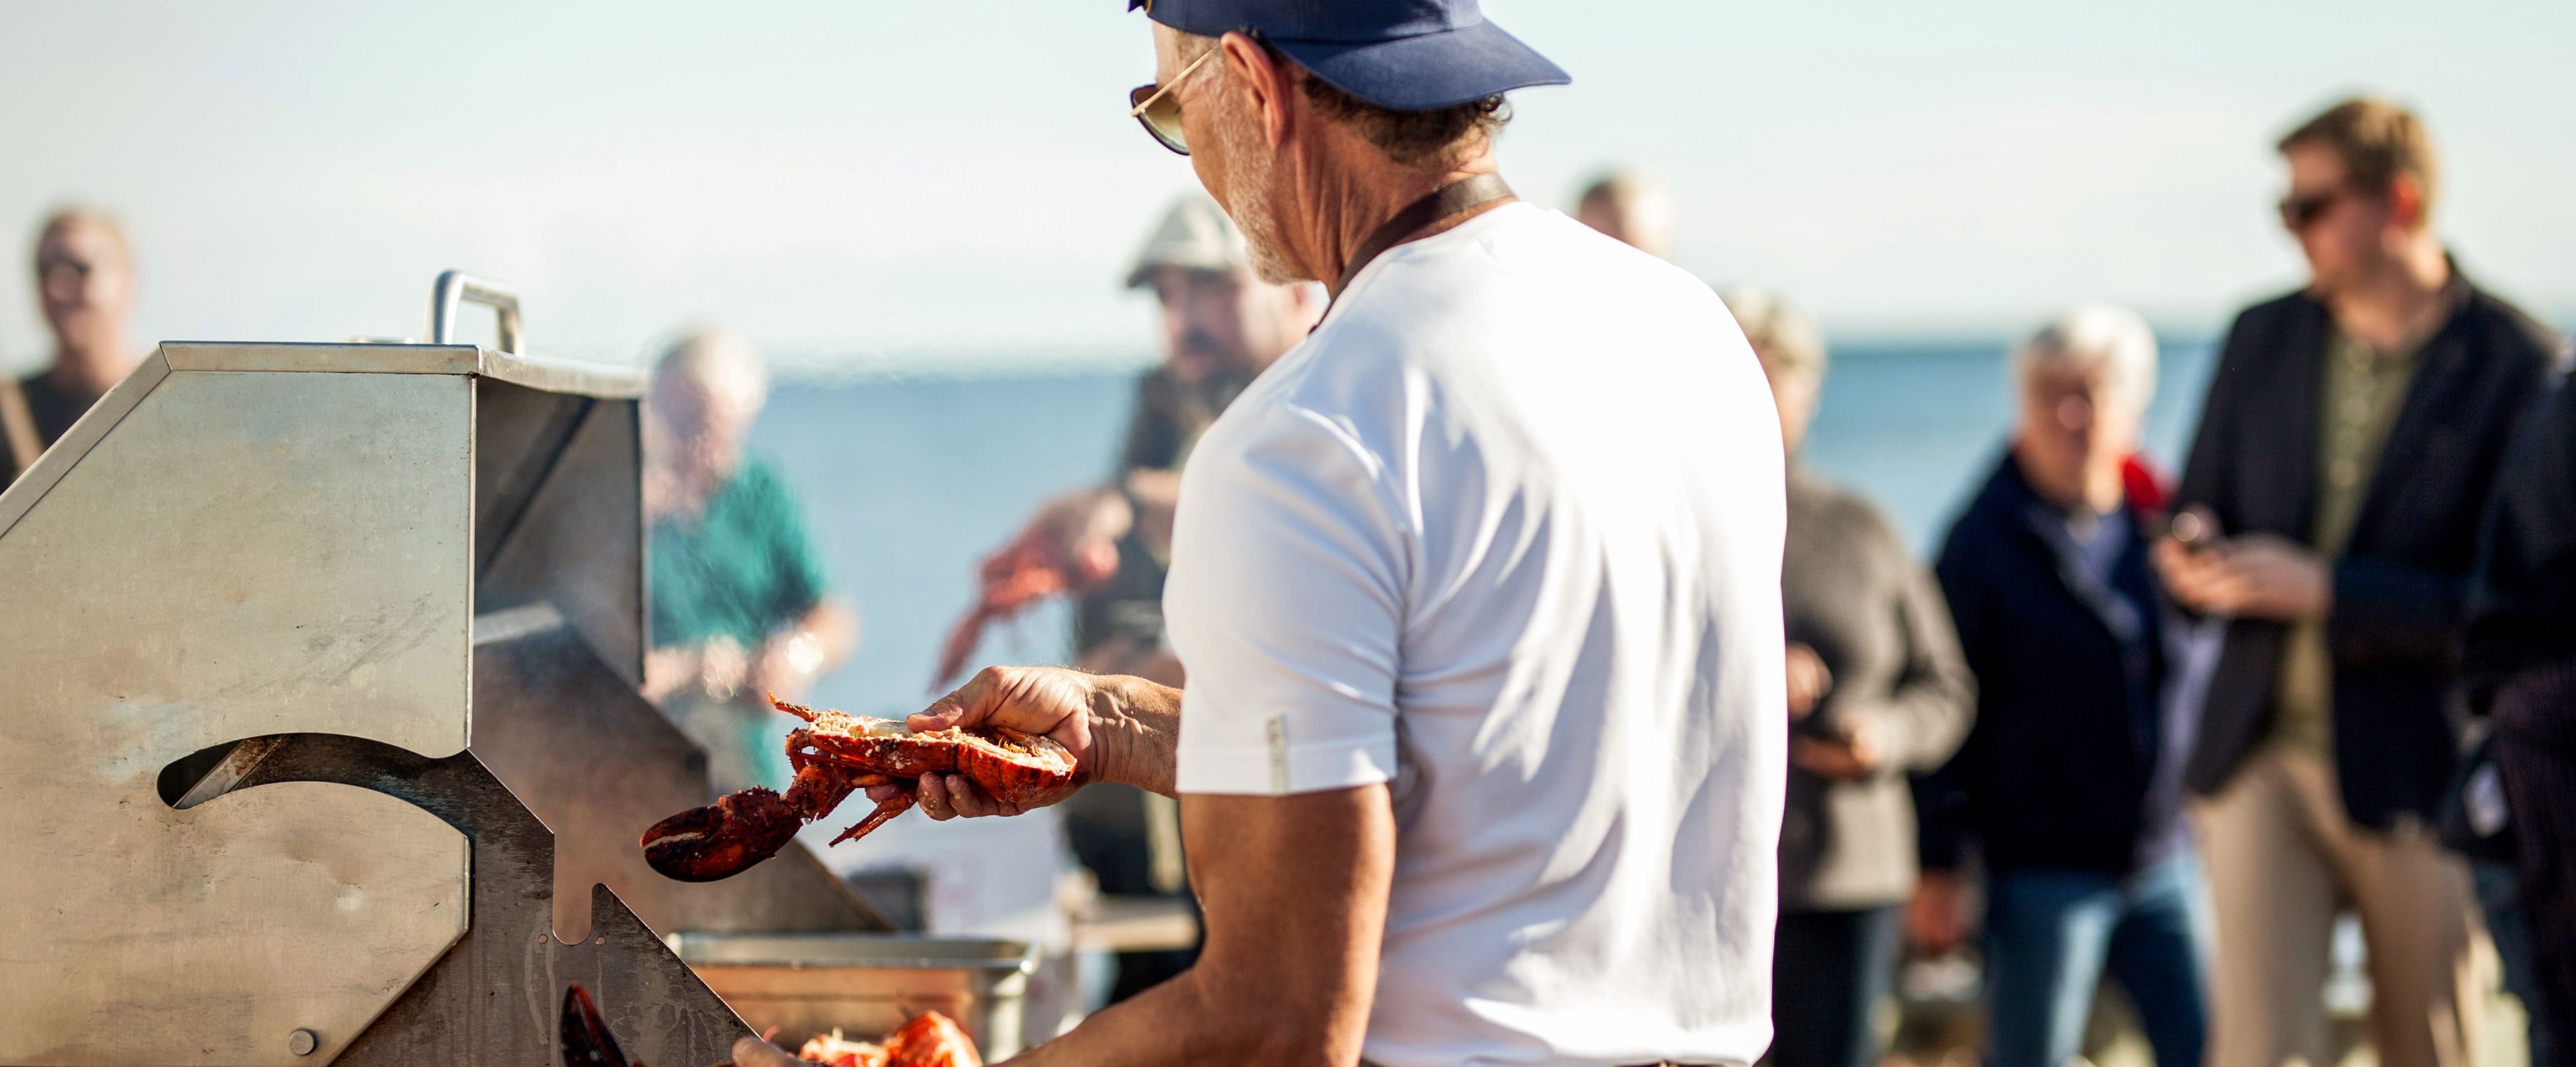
1194 235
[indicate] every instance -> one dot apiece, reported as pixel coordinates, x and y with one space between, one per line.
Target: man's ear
2406 206
1269 82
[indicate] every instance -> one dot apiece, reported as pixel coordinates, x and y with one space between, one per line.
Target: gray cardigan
1873 613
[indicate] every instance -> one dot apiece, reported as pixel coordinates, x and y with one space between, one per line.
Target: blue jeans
2051 934
2499 899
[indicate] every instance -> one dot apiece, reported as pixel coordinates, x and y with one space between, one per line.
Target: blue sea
909 481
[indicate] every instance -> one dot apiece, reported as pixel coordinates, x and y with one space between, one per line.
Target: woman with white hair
1876 689
2070 784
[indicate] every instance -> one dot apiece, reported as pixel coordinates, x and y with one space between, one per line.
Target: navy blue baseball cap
1403 55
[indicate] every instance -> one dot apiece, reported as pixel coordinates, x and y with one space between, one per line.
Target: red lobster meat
836 754
929 1040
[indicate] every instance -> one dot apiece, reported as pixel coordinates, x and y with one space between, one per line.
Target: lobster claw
585 1038
722 839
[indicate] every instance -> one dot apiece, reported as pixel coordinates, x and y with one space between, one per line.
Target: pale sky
861 181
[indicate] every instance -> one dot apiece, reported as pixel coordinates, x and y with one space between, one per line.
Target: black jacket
2522 605
2400 586
2074 760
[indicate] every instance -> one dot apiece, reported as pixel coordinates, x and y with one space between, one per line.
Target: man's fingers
949 796
966 800
934 798
2191 587
965 706
2230 588
991 698
2203 580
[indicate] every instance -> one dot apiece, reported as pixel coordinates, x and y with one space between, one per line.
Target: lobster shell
1009 765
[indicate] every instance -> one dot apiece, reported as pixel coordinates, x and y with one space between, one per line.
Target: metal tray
866 984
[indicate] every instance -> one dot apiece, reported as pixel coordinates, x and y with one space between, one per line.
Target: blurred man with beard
1107 544
1220 327
85 279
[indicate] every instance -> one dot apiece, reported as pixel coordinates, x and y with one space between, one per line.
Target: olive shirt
1166 422
1853 593
2362 390
1169 416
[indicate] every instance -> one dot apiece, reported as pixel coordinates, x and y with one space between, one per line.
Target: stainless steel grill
258 575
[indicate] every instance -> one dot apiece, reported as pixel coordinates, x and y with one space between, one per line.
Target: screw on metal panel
302 1042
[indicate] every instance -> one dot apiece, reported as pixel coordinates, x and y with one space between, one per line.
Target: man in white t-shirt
1477 591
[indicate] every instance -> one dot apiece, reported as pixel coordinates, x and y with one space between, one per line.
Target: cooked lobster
836 754
929 1040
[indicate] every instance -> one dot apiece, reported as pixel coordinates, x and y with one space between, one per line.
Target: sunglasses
1159 111
2302 210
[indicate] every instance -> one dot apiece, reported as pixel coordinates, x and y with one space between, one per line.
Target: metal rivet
302 1042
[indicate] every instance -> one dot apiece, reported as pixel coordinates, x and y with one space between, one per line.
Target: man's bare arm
1141 721
1294 889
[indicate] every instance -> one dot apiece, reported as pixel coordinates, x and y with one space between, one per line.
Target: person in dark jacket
2346 451
85 280
2070 781
2521 658
1877 688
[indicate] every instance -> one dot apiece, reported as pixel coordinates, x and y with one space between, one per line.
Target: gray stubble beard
1253 170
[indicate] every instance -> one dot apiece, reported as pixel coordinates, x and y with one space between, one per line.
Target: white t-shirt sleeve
1285 604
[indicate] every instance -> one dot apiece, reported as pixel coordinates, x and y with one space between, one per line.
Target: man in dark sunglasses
2347 449
1477 594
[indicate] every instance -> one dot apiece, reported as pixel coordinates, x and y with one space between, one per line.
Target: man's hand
792 658
717 667
1809 680
1938 915
2256 576
1118 729
1078 534
1858 753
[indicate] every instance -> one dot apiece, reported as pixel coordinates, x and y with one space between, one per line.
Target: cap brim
1429 72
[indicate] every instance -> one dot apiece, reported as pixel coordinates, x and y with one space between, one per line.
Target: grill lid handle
456 287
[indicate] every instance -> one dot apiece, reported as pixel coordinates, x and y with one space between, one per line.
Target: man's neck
1354 200
2398 306
89 370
